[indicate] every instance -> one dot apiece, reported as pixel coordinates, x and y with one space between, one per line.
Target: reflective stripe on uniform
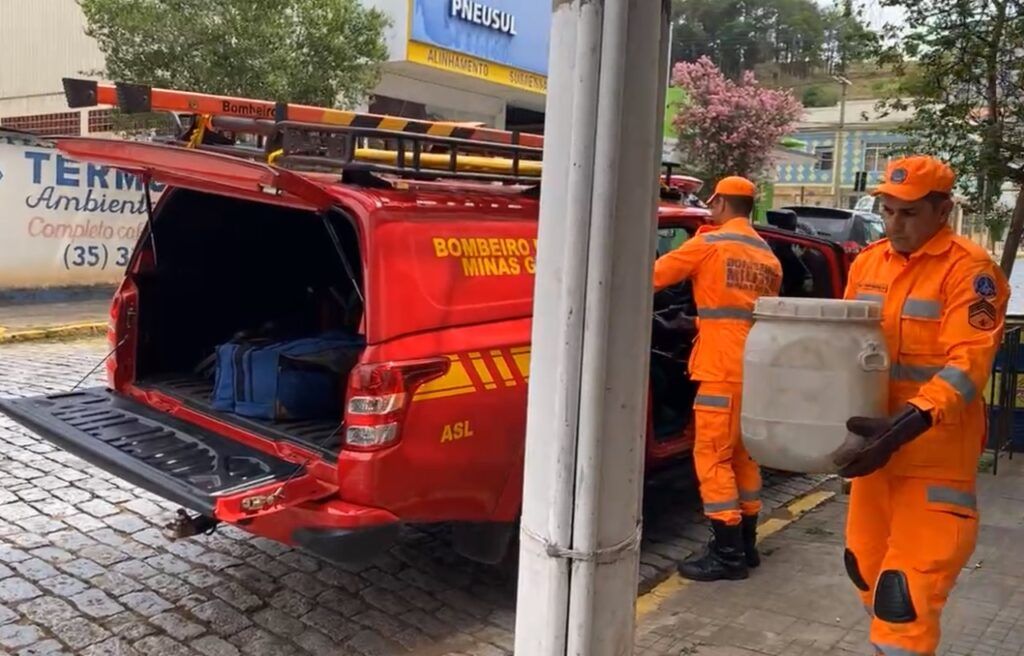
913 372
955 376
725 313
712 401
920 308
743 239
750 495
722 506
889 650
877 298
960 381
952 496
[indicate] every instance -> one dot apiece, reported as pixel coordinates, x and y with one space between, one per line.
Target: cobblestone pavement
85 570
800 602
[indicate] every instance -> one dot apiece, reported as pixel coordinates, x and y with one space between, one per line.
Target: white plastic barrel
809 365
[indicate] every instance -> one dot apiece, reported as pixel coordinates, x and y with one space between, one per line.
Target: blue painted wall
853 157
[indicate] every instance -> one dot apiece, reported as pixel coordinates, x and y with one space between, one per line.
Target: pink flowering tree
726 127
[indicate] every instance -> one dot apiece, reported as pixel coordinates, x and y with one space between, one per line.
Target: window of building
876 157
46 125
825 155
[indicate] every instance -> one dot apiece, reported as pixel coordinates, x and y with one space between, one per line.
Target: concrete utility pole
837 164
580 533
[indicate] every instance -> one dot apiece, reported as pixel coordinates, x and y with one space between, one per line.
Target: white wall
398 34
41 41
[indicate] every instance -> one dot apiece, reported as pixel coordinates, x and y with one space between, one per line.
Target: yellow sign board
456 62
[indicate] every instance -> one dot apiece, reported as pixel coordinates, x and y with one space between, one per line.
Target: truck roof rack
358 145
323 139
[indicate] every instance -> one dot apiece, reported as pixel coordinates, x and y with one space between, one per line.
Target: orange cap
913 178
734 185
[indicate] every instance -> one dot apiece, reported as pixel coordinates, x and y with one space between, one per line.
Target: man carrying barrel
913 518
730 268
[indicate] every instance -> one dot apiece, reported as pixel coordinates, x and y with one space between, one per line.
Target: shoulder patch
982 315
985 286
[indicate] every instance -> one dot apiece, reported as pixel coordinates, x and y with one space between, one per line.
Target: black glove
873 441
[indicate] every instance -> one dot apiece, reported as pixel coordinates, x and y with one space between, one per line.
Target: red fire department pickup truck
430 262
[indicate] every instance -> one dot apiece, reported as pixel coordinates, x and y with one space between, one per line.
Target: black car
853 229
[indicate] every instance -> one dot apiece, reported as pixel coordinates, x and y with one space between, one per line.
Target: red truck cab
435 275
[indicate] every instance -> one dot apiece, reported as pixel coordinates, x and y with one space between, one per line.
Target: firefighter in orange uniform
730 268
913 517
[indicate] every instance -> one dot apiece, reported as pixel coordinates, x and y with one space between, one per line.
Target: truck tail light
851 247
378 398
121 332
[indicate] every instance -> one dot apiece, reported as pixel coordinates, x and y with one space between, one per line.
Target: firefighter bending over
730 268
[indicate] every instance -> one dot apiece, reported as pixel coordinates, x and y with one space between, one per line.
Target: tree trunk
1014 233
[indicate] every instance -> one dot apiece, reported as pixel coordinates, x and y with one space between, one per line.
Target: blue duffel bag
275 380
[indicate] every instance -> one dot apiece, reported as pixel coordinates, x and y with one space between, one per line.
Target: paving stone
13 636
135 569
255 641
162 646
52 555
103 555
7 615
129 626
331 624
370 643
79 633
169 587
44 648
83 568
96 603
34 569
177 626
237 596
15 589
63 585
116 584
278 622
221 618
47 611
11 555
111 647
146 604
214 646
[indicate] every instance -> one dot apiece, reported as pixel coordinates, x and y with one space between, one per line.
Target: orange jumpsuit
913 524
730 268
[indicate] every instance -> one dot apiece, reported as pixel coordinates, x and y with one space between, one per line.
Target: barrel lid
817 309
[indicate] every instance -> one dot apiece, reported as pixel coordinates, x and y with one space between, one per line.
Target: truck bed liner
320 435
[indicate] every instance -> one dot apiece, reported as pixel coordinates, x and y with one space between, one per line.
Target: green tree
322 52
968 90
738 35
996 221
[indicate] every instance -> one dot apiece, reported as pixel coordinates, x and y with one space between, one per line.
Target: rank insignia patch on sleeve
982 315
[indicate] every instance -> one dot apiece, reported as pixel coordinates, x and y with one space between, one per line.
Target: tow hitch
187 526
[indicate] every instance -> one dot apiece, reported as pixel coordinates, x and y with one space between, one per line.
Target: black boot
750 541
724 558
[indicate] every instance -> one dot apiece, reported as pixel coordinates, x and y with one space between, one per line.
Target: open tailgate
198 469
200 170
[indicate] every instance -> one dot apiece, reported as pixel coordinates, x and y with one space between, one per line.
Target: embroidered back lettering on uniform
751 276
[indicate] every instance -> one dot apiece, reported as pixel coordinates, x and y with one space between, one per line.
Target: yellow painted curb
53 332
650 602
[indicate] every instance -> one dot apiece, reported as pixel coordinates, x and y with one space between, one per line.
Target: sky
876 15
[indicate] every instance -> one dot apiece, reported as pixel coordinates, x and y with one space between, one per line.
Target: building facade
861 144
458 60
